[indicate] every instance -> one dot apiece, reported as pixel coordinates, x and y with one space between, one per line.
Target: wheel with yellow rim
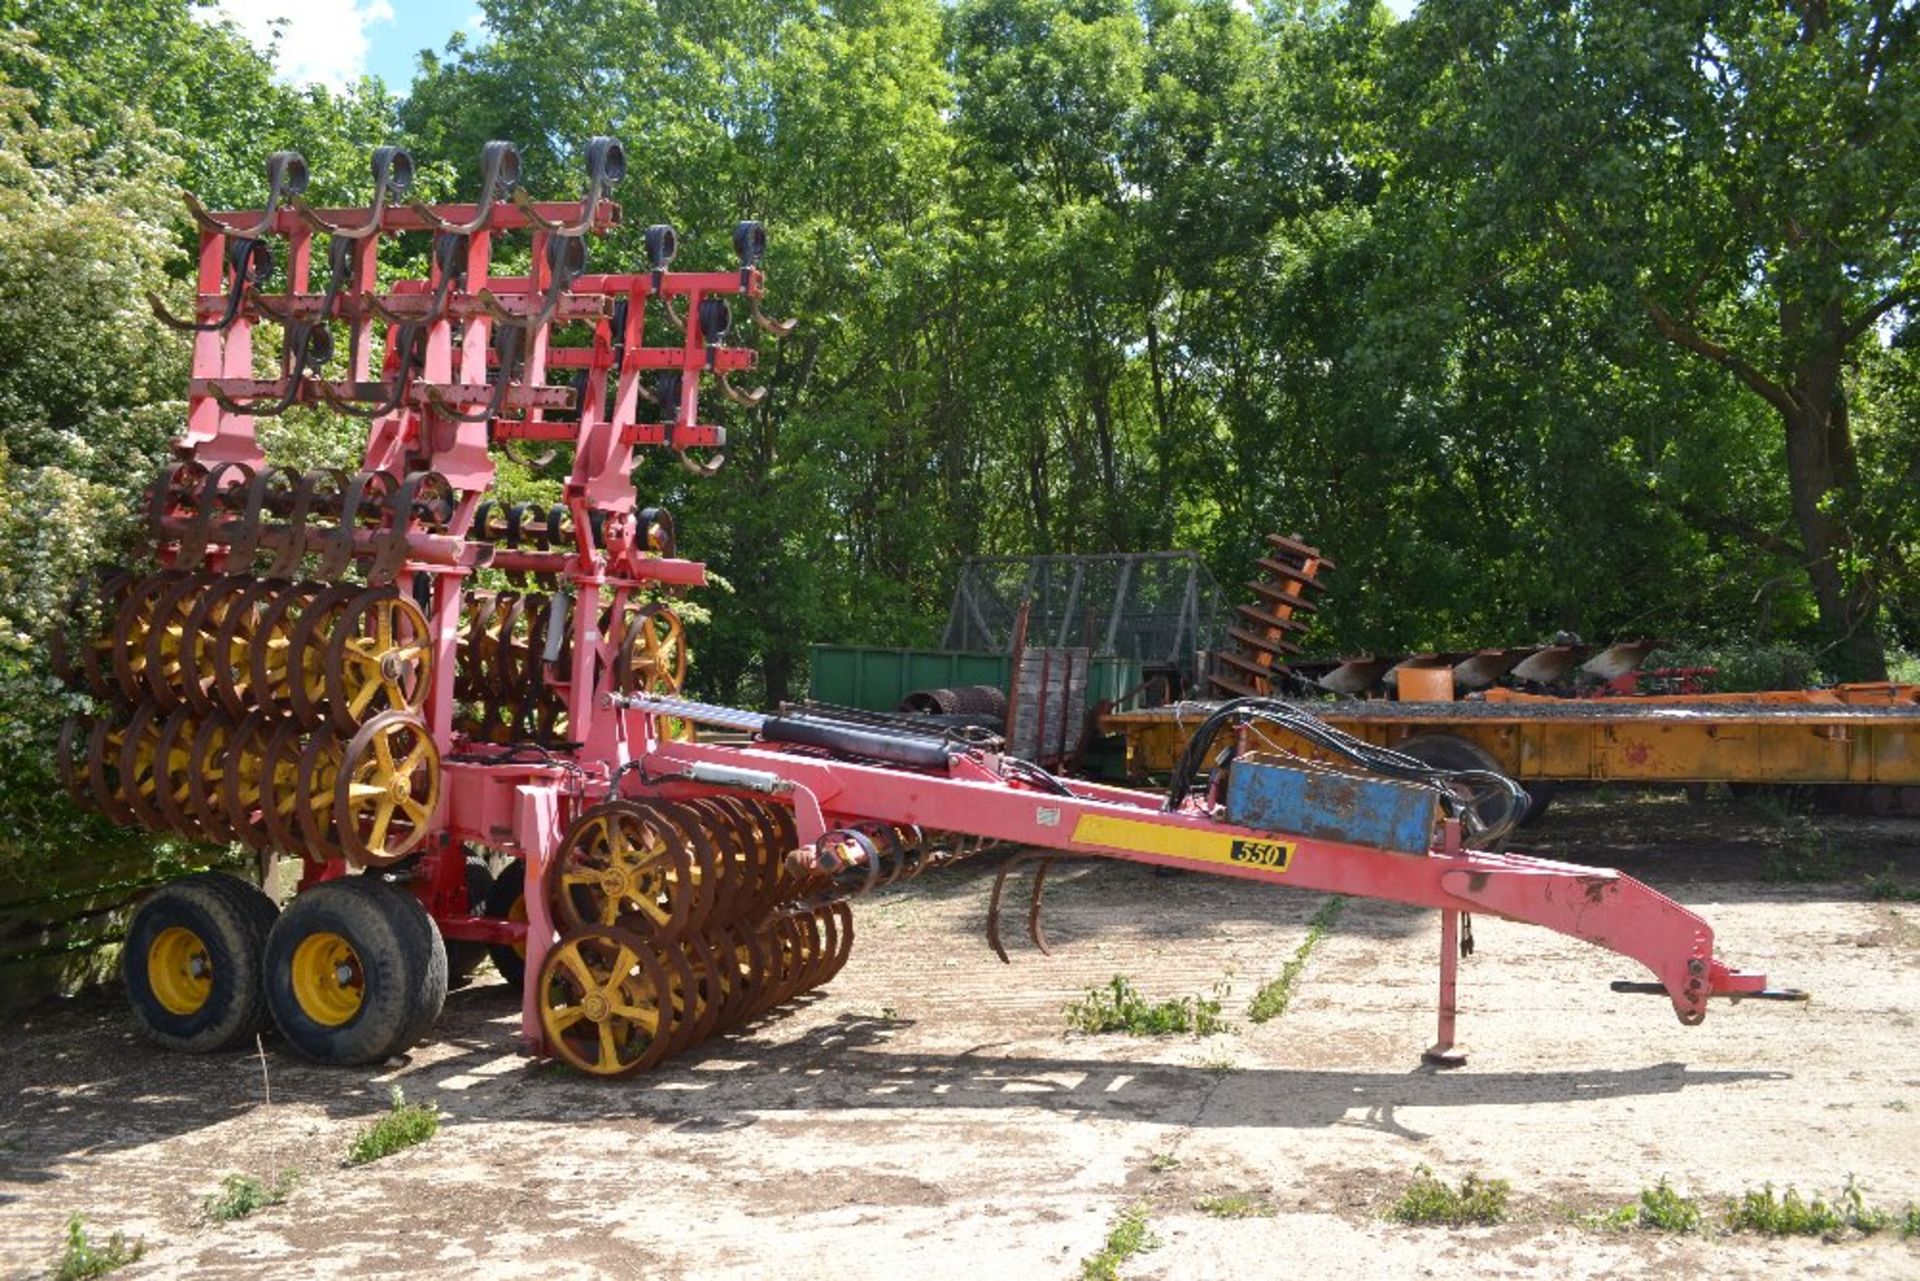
191 964
385 790
355 971
653 660
378 659
607 1005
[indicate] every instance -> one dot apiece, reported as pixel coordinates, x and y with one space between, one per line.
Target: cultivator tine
499 176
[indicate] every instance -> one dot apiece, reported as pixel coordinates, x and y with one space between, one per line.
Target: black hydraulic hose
1464 794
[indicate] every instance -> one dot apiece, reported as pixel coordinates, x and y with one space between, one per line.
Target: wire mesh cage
1156 607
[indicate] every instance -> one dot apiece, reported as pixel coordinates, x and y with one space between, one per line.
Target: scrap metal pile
461 715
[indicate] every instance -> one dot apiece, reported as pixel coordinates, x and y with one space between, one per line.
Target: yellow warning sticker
1179 842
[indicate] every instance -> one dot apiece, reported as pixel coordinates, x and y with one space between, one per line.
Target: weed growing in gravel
242 1194
1429 1200
1161 1162
1789 1215
1270 1002
1235 1205
1127 1237
1910 1223
1220 1065
1119 1007
1663 1209
403 1126
1885 887
82 1258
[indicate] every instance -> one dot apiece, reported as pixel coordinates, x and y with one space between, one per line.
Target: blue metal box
1303 798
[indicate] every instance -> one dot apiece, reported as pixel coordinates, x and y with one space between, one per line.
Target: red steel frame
523 808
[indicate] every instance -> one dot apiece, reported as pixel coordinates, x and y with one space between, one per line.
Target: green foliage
1429 1200
1663 1209
242 1194
1234 1205
1119 1007
1270 1002
404 1125
82 1258
1886 886
1789 1215
1127 1237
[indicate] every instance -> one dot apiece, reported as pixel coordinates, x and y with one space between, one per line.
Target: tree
1745 177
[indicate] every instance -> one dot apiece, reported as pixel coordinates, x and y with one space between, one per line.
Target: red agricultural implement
400 681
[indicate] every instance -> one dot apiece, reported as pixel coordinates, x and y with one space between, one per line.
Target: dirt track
928 1116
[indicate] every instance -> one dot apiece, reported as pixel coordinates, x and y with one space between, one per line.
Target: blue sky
334 42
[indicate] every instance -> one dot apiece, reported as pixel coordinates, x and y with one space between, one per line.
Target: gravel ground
928 1115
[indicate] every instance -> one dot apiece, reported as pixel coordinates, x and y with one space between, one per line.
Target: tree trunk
1823 477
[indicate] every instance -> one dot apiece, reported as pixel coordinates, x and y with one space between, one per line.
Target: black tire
394 959
505 901
464 956
192 963
1450 751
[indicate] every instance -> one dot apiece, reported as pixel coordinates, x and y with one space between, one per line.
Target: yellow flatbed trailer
1868 743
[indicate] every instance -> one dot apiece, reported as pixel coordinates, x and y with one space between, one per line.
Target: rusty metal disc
168 639
242 778
139 751
227 657
130 632
104 741
206 776
314 793
279 788
379 659
307 646
604 1002
386 790
173 768
202 624
620 865
271 652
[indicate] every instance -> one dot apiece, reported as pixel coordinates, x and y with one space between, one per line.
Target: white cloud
323 41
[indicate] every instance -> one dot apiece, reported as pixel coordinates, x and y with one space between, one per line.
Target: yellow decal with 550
1179 842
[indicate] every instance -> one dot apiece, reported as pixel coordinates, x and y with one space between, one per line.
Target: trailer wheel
192 962
507 901
1450 751
355 971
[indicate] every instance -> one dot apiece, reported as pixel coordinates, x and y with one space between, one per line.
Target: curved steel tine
711 467
286 181
249 262
499 176
606 165
392 176
767 324
1034 931
747 399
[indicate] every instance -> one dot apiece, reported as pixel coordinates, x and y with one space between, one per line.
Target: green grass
1119 1007
1270 1002
1789 1215
1428 1200
242 1194
82 1258
1235 1205
1127 1237
403 1126
1161 1162
1910 1223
